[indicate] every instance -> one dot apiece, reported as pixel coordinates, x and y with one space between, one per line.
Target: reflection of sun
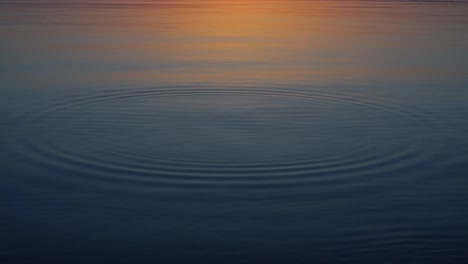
239 30
238 19
221 40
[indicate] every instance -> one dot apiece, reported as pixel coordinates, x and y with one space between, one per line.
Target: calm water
263 131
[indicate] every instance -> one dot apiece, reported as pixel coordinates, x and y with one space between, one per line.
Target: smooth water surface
263 131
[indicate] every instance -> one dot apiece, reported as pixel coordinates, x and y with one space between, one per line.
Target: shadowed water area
263 131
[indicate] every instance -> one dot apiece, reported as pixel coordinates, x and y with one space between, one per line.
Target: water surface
234 131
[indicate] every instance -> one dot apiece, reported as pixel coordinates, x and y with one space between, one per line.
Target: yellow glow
259 40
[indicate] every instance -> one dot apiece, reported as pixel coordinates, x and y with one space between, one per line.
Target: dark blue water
234 131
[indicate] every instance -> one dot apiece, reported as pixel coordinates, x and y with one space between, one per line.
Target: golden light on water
236 41
260 41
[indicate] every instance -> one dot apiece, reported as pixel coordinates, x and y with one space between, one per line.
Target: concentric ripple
224 135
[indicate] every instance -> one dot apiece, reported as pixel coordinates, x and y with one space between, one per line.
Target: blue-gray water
233 131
